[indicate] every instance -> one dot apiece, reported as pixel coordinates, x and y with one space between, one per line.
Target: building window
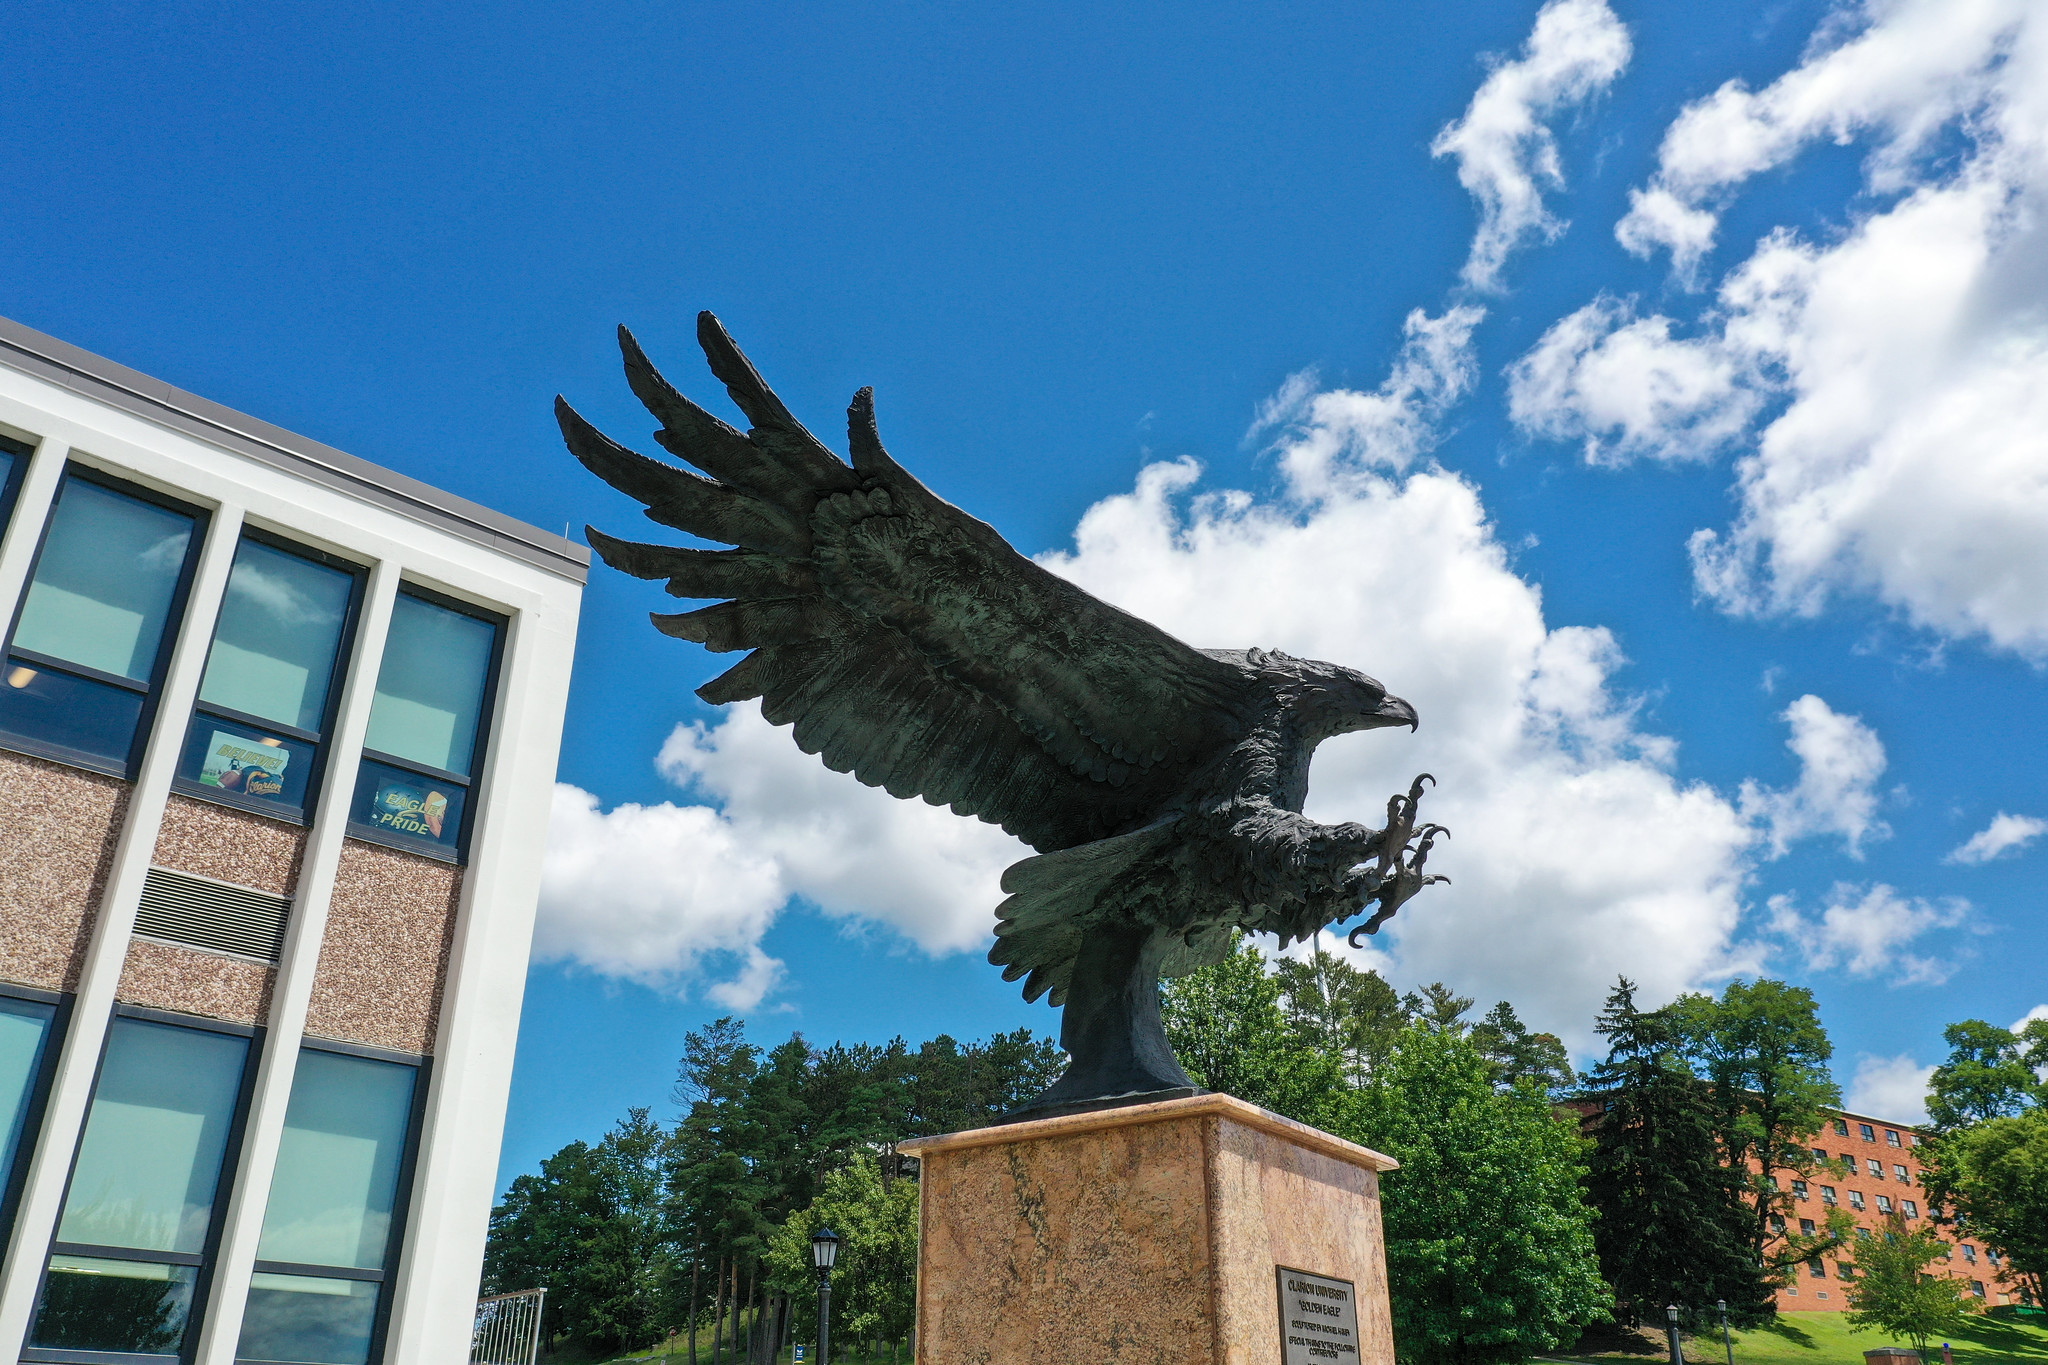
14 457
1969 1253
93 636
1856 1200
427 723
1868 1133
1891 1137
1806 1227
1977 1288
139 1215
1799 1189
1884 1204
27 1021
1902 1175
1849 1162
1827 1195
1876 1168
1991 1255
1820 1154
1912 1209
329 1231
1845 1270
1842 1127
1816 1269
1778 1223
268 696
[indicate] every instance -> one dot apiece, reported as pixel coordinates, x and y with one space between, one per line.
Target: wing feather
906 641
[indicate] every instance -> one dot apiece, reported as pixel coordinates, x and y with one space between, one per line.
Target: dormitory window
1816 1269
27 1020
1912 1209
1841 1127
1977 1288
329 1231
1884 1204
1799 1189
1876 1168
427 723
1827 1195
1820 1154
1903 1177
271 684
1806 1227
93 636
1869 1134
139 1216
1856 1200
1891 1137
1970 1254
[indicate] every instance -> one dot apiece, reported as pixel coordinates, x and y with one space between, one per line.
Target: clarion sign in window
1318 1319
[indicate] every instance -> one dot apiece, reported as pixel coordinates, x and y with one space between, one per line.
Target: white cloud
2038 1012
1627 388
1892 1088
1866 932
2005 834
1840 761
649 893
1906 355
1506 153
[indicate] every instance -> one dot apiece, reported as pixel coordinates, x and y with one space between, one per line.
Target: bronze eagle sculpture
911 645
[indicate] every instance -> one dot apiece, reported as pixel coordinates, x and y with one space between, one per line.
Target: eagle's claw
1404 848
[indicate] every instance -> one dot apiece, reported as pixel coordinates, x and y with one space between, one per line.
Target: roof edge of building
94 376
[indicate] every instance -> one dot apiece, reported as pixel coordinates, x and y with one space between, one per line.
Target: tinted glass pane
337 1165
430 689
77 713
97 1305
405 807
151 1155
292 1317
105 581
24 1029
280 625
260 767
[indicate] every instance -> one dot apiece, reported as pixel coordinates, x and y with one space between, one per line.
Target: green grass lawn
1824 1339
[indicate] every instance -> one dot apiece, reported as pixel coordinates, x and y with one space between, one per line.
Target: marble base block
1152 1233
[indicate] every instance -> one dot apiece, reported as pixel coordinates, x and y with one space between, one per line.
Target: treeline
1530 1204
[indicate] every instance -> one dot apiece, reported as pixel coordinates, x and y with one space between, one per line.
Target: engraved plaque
1318 1319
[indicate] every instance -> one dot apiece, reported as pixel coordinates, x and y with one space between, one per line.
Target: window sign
426 723
267 696
140 1208
333 1198
96 624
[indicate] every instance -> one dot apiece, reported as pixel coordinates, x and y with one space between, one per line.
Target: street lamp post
1726 1340
824 1251
1671 1321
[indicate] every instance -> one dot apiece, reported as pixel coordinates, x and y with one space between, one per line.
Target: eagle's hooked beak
1394 711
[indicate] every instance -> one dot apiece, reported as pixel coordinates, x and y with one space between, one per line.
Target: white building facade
278 730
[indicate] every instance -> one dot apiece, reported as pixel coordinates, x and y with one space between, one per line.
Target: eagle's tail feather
1055 898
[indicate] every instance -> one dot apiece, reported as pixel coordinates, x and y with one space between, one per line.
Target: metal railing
507 1329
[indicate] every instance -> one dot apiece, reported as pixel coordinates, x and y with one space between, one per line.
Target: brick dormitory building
1872 1170
278 729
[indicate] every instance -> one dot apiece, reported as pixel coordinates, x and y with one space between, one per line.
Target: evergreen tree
1331 1005
1517 1055
1490 1253
1673 1227
1437 1006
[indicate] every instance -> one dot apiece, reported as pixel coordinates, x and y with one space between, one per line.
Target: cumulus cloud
2005 834
1867 931
656 894
1904 358
2038 1012
1889 1088
1840 761
1627 388
1505 150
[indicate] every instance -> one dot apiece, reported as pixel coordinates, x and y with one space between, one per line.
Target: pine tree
1673 1227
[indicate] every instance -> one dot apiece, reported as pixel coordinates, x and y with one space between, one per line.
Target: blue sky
1444 333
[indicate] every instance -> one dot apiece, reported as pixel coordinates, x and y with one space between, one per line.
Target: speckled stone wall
389 928
1148 1235
60 825
230 845
168 977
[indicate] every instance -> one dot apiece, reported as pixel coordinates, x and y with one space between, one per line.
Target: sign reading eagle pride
410 808
1318 1319
235 764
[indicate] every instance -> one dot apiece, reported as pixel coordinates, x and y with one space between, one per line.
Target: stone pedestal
1152 1233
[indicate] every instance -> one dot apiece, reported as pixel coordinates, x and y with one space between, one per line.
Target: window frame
10 487
151 690
38 1093
401 1195
204 1262
322 740
487 716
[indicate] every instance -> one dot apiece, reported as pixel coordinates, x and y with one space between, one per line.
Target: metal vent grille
218 916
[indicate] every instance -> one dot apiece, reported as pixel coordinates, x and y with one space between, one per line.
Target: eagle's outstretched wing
907 642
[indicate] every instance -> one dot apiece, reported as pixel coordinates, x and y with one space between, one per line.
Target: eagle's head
1330 699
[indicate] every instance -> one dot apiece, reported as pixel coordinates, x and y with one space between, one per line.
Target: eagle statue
907 643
